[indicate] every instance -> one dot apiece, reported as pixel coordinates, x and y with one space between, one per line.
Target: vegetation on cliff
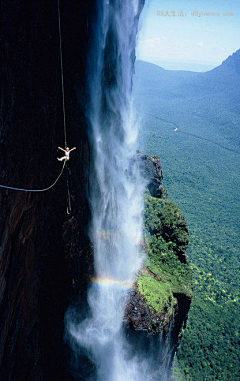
165 274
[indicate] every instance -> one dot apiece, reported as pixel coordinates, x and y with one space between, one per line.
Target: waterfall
116 195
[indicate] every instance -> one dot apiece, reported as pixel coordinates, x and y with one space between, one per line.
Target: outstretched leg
61 158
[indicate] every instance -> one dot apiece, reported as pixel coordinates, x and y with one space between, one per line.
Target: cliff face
43 250
45 254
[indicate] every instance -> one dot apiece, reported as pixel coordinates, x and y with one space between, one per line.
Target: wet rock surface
139 315
151 167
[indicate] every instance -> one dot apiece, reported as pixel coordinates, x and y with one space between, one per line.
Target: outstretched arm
61 149
72 149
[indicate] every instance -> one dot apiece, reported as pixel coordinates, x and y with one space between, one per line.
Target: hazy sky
174 37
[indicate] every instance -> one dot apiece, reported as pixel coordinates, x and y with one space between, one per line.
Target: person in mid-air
67 151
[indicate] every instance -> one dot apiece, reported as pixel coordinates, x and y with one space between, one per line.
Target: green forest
203 180
166 241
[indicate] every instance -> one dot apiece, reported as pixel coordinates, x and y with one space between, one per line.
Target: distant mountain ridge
233 61
205 104
228 72
225 77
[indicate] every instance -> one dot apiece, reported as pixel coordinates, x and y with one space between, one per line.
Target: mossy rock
164 219
166 272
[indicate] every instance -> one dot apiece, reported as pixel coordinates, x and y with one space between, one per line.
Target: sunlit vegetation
210 344
164 274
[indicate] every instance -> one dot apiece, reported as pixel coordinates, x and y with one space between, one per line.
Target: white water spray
116 193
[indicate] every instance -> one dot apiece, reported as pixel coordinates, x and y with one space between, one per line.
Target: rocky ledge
162 293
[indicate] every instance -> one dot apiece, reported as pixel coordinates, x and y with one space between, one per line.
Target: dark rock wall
41 245
151 167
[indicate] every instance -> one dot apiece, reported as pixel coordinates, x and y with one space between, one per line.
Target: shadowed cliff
42 248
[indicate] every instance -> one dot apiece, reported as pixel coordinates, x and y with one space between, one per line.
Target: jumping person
67 151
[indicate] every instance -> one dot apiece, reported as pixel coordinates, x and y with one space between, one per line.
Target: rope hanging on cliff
63 101
37 190
66 150
62 79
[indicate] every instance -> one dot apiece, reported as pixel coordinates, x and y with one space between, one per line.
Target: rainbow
104 281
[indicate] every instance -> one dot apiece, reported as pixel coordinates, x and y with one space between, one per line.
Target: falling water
116 192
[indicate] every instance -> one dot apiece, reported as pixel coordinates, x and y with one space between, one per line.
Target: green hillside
201 166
